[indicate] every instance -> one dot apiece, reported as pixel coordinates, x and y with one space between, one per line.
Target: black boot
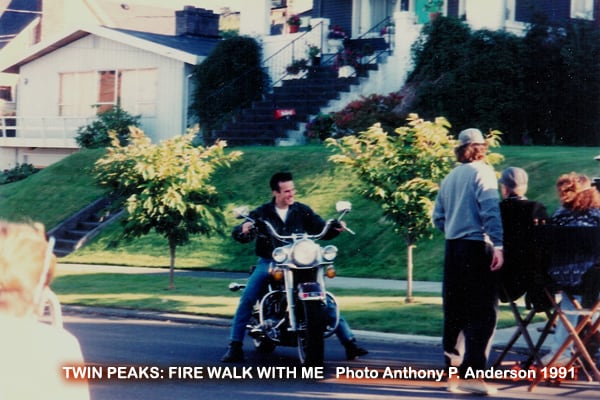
234 353
353 350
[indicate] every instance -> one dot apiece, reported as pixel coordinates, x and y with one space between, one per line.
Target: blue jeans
256 286
561 334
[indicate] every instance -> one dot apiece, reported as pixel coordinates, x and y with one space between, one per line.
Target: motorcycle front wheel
311 341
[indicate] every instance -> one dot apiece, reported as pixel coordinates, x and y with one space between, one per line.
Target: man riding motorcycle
287 217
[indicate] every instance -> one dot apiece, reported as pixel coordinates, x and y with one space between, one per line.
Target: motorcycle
296 310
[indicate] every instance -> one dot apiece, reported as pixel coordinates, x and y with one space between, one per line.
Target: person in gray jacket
466 210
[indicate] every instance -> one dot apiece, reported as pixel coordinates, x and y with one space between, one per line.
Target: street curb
223 322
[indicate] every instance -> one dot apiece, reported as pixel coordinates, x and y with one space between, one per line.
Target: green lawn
375 310
58 191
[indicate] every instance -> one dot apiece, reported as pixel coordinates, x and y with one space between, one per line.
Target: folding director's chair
523 330
576 247
524 275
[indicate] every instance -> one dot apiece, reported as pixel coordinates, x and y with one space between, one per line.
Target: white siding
39 80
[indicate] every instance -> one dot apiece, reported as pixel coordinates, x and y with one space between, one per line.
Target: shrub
321 127
21 171
95 135
361 114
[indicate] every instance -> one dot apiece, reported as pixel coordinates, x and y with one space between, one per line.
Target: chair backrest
569 243
517 275
568 252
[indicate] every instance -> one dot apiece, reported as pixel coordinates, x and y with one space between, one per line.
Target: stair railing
275 65
295 50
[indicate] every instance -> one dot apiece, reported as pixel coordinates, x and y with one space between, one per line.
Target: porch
54 132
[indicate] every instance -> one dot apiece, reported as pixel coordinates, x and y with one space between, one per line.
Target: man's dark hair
279 177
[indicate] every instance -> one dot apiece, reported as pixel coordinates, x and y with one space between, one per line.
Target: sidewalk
501 337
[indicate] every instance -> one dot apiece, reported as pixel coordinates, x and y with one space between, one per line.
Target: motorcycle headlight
305 252
280 254
330 252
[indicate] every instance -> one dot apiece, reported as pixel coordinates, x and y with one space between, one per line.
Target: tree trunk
409 272
172 248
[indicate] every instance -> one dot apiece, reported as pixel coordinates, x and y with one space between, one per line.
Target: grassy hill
61 189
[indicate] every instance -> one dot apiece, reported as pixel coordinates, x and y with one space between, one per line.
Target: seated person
33 352
580 206
519 216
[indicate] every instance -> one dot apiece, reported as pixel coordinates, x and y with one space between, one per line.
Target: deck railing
41 131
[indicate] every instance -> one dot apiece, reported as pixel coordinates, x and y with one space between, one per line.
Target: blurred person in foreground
32 353
467 211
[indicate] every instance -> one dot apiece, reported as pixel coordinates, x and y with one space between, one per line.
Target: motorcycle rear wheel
311 341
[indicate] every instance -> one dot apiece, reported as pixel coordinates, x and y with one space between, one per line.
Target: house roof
185 48
136 16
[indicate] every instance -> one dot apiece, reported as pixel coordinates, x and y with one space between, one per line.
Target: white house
63 82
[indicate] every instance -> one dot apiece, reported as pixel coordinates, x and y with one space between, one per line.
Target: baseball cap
470 136
514 177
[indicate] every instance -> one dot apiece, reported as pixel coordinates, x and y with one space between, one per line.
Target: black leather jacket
300 219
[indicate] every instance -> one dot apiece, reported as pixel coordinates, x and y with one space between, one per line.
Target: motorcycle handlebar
271 230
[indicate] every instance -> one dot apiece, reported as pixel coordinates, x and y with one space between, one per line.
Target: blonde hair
24 252
576 192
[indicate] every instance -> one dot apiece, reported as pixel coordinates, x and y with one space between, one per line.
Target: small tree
402 171
166 187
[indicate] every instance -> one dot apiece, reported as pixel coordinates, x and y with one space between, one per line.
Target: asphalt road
147 359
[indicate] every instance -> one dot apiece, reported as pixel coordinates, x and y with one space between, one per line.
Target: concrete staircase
267 121
74 232
279 118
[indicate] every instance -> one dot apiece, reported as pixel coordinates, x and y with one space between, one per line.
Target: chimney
197 22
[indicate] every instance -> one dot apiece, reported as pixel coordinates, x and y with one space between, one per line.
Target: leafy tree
166 187
116 119
544 84
562 78
468 96
439 48
230 78
580 107
402 172
543 88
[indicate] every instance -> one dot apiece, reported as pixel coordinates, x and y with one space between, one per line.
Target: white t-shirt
282 212
32 355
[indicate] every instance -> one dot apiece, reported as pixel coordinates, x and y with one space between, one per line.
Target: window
108 89
582 9
77 94
86 93
6 93
138 91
